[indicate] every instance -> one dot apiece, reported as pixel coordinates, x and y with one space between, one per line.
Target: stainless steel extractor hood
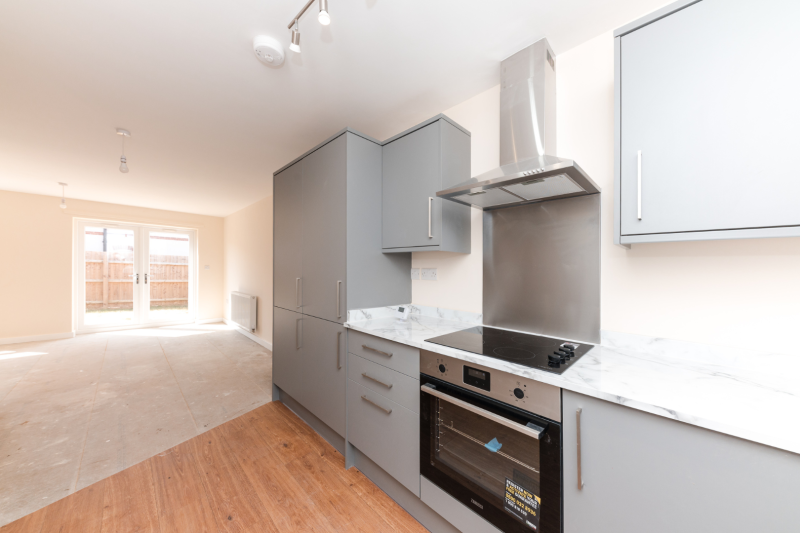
527 135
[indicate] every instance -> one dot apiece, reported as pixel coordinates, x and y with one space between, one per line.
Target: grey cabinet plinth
643 472
416 164
700 140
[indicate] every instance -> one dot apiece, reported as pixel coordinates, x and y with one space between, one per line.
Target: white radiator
243 310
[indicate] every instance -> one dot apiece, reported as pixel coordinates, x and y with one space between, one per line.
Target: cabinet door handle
338 350
145 278
297 342
578 426
297 293
379 382
137 279
430 208
382 408
338 299
639 185
370 348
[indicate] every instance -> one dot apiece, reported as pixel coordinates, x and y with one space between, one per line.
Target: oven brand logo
476 503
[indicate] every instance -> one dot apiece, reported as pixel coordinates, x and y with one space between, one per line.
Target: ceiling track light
123 162
295 46
324 18
63 200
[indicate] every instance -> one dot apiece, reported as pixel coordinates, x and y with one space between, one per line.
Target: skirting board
209 320
35 338
259 340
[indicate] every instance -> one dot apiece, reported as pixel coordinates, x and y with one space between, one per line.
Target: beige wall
735 292
36 259
460 277
248 260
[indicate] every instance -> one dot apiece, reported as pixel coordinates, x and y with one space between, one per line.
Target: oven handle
529 430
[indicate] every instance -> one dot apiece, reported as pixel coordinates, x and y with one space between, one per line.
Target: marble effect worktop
753 396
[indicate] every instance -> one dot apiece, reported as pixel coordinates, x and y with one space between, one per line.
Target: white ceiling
210 123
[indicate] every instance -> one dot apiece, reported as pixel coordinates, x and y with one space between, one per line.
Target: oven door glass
501 462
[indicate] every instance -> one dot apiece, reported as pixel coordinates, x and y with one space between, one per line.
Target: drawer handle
379 382
370 348
385 410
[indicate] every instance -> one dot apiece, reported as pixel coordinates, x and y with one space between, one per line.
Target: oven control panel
527 394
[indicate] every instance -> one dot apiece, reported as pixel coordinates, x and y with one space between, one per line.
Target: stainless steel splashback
541 268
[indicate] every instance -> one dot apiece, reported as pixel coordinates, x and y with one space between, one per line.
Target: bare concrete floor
75 411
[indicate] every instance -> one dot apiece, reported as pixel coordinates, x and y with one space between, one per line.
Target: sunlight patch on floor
15 355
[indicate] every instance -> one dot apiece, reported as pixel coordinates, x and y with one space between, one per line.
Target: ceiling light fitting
123 163
63 200
324 18
295 46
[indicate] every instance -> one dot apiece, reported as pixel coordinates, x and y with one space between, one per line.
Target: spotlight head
324 16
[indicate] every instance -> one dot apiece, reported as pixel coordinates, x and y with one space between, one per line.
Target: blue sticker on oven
521 503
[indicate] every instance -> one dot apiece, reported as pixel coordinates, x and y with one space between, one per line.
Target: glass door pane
485 452
168 284
110 276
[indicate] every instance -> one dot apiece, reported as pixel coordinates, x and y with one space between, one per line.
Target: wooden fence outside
110 280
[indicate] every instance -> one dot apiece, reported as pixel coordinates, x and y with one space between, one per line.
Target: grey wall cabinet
705 120
416 164
643 472
328 258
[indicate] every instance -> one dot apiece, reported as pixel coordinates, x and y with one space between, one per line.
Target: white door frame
141 266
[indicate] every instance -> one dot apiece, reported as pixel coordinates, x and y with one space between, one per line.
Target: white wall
248 260
738 292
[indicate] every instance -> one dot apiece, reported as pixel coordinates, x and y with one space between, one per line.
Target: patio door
129 275
167 275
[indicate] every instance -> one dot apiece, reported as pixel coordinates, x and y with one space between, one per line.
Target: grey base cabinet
417 163
311 368
645 473
386 432
703 144
383 405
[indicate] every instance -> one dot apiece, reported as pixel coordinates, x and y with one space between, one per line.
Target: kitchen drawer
403 358
385 381
386 432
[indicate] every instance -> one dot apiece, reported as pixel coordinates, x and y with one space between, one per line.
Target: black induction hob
535 351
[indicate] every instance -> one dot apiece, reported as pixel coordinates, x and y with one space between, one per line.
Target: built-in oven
492 441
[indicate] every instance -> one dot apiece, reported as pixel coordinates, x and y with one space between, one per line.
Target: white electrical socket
414 273
429 274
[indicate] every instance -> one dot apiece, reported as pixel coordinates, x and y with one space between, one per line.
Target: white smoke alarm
268 50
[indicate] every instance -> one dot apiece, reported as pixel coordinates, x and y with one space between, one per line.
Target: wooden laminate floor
265 471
